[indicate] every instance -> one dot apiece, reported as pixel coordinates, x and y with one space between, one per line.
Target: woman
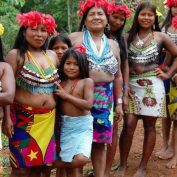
60 44
7 89
104 68
31 143
117 22
147 88
166 151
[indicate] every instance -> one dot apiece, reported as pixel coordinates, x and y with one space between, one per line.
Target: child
76 93
60 45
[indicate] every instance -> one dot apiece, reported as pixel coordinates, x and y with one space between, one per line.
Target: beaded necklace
38 66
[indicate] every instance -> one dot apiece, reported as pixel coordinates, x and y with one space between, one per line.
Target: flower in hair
85 5
1 29
159 14
80 48
34 18
122 8
170 3
174 22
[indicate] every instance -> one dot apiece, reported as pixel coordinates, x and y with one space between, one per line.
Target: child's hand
7 128
161 74
60 91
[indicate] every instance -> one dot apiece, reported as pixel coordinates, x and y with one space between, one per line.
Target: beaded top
147 55
103 60
31 79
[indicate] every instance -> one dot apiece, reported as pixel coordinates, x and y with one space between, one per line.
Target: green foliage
7 18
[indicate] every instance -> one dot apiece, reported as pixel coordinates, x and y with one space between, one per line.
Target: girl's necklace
142 41
72 86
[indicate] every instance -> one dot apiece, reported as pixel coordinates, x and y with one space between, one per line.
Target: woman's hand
118 113
7 127
125 103
161 74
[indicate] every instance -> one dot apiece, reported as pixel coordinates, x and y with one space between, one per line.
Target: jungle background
64 12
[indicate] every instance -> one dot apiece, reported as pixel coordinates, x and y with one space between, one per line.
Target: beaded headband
1 29
170 3
34 18
120 8
84 5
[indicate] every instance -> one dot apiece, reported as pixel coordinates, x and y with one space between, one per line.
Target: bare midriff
37 100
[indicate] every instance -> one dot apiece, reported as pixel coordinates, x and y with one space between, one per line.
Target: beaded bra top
103 60
35 80
173 36
146 56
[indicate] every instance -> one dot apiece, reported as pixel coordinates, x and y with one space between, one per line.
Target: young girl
148 93
167 150
60 44
117 22
76 93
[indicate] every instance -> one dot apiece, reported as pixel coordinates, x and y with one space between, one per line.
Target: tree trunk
69 7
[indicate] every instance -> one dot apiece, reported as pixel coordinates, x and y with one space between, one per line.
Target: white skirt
148 95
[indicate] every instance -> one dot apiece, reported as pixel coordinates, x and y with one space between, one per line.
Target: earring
84 28
107 28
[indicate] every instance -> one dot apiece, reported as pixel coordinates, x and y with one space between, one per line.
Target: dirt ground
156 167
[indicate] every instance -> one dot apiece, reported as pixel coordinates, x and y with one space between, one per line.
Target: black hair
120 39
81 26
21 43
135 26
59 38
81 60
168 20
1 52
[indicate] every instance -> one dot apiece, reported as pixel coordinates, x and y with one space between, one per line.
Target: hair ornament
159 14
34 18
174 22
122 8
170 3
80 48
1 29
84 5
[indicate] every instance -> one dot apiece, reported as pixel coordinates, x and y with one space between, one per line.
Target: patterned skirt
33 142
172 106
102 112
148 95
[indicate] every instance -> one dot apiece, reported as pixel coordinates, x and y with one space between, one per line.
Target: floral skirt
148 95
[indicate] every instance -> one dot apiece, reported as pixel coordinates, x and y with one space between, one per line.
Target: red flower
174 22
34 18
84 6
170 3
148 101
144 82
116 8
80 48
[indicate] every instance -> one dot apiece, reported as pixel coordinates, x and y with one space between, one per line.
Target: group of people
63 96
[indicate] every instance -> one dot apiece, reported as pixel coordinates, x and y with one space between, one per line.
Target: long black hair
21 43
59 38
168 20
1 52
81 59
120 39
135 26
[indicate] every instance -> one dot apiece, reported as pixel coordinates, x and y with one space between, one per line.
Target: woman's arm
118 82
85 103
7 84
171 47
